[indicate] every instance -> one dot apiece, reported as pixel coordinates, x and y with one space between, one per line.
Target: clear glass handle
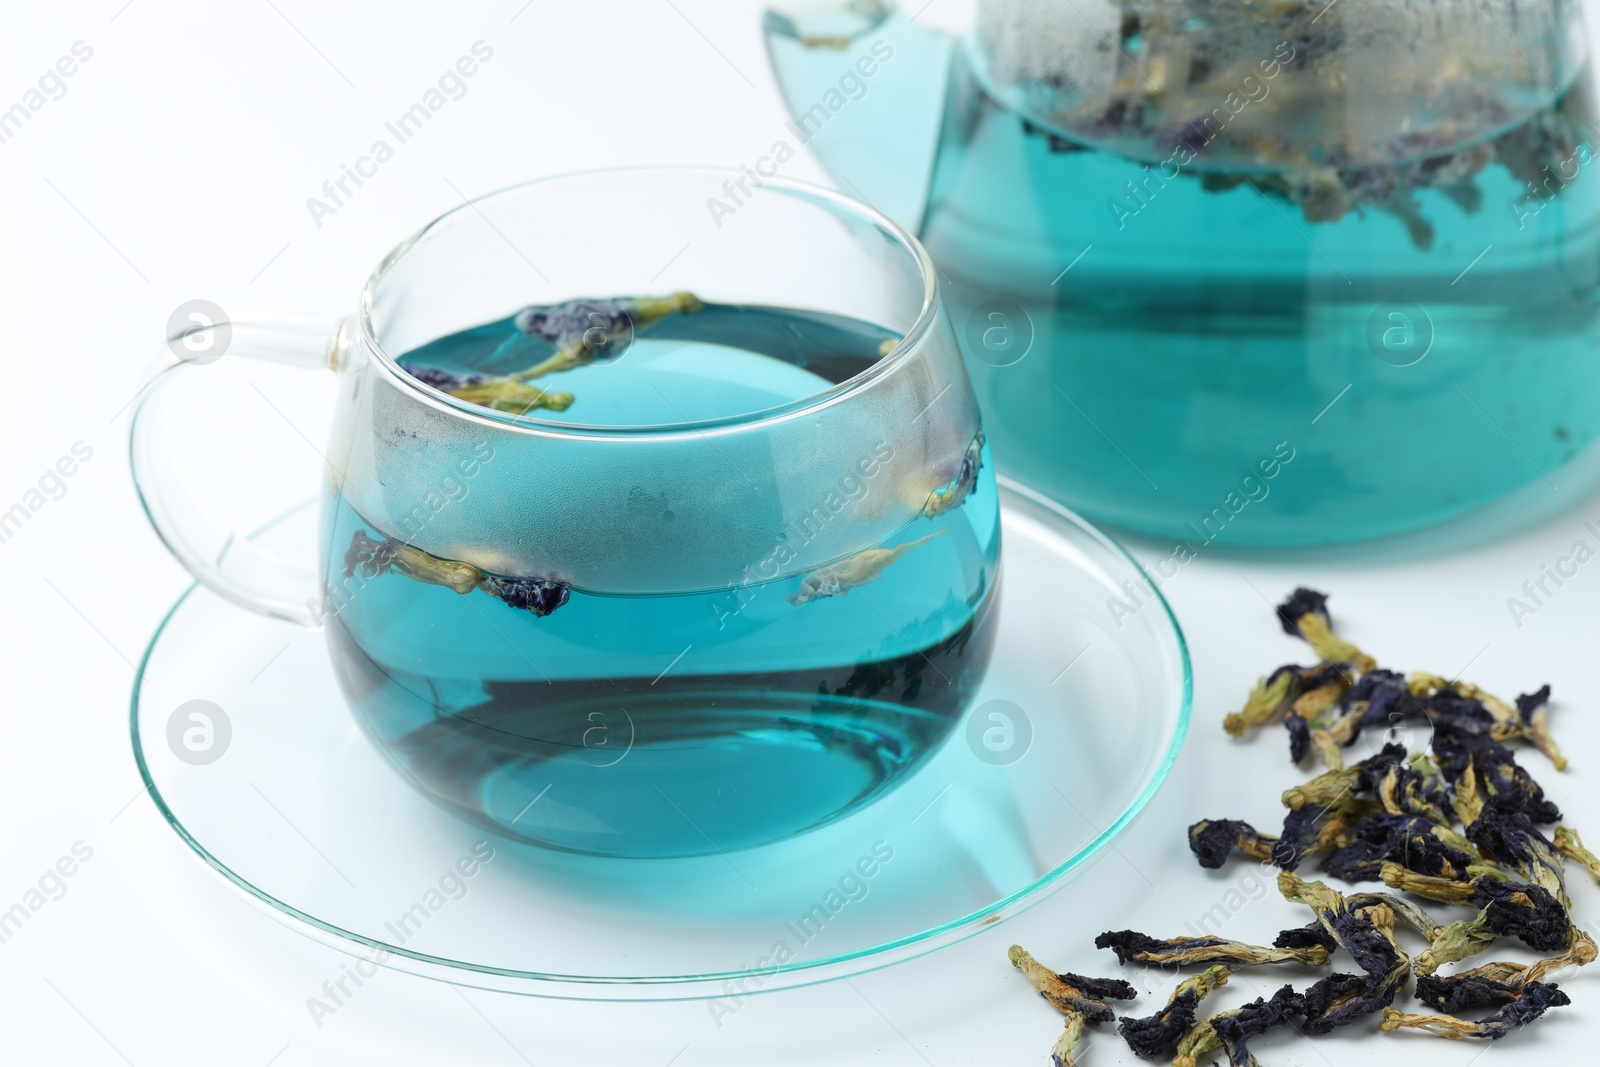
220 558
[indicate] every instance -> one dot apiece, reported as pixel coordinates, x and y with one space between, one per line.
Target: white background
177 166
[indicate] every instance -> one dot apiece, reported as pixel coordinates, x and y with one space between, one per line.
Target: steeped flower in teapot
1257 271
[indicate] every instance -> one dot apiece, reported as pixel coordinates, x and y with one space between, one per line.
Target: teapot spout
865 86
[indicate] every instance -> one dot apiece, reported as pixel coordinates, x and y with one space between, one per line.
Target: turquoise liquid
666 725
1201 331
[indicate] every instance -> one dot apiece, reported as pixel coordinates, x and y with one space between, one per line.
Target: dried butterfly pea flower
1581 954
1333 1001
1211 840
1081 1000
1411 840
1153 1037
853 571
1513 909
1464 992
1305 614
1443 890
1570 845
1533 711
1312 830
1463 745
948 497
372 557
1504 832
1270 696
1232 1030
583 330
1527 912
1132 945
1367 934
1072 993
1527 718
1534 1000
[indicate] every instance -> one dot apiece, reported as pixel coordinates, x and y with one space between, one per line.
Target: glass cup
741 585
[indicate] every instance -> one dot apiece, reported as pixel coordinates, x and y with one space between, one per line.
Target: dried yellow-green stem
504 394
1261 706
1459 940
1330 646
1444 890
1465 799
1325 790
1067 998
1327 749
1314 703
1203 984
1405 910
1071 1037
1201 1039
1536 730
1570 845
640 312
1580 954
419 565
1442 1025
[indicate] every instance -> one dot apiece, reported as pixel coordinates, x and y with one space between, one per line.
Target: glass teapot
1255 270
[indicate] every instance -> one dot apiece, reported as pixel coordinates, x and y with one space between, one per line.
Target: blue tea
1183 241
664 720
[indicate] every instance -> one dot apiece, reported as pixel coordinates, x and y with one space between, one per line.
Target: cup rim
831 199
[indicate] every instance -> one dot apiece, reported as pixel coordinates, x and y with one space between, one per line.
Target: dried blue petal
368 556
1235 1029
1212 840
1529 703
1308 831
1504 831
1408 840
1335 1001
1153 1037
439 378
1299 737
1305 937
1301 602
1460 743
566 324
1526 912
538 595
1460 993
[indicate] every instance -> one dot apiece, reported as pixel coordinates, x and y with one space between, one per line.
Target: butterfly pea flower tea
642 536
1180 234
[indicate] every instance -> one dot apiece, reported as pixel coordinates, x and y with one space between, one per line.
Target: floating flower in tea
862 568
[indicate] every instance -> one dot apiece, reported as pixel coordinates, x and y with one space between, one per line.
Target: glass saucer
250 754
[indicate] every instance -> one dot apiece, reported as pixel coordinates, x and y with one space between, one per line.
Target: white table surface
176 166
